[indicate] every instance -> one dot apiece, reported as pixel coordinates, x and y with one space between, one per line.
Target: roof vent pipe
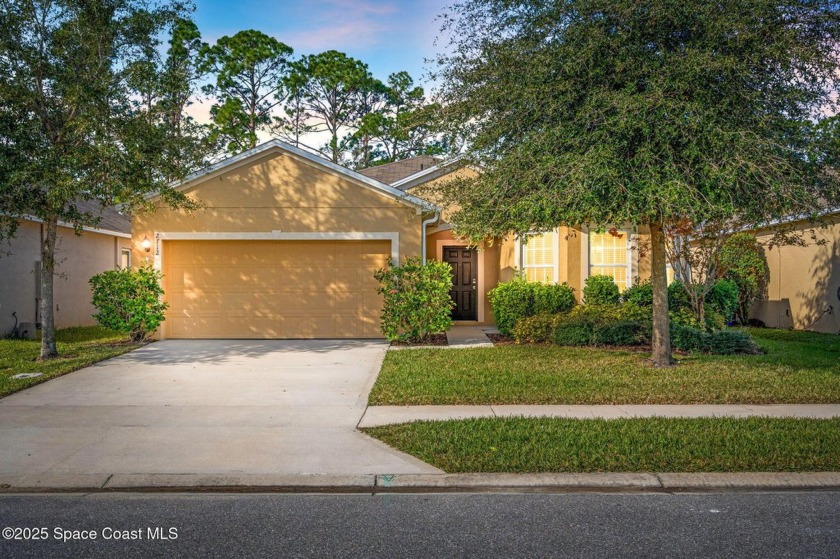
423 227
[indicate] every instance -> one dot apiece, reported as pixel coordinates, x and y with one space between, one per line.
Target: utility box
27 330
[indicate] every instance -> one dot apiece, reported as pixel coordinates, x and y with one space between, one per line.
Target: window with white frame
609 256
539 257
125 258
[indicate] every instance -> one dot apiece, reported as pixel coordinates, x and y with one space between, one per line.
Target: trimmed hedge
416 300
627 325
601 290
129 301
720 342
517 299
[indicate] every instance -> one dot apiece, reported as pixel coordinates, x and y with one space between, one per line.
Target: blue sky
388 35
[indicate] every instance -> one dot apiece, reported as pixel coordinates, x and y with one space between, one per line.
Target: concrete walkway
387 415
214 407
468 336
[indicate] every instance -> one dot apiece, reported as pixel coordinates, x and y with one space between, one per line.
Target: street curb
422 483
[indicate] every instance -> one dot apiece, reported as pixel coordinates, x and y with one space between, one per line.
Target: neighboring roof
430 174
391 173
110 218
111 221
276 145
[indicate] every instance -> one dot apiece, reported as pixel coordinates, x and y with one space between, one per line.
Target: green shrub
552 298
622 333
129 301
626 324
417 303
537 328
600 290
640 293
511 301
517 299
689 338
678 298
742 260
720 342
731 342
722 298
573 333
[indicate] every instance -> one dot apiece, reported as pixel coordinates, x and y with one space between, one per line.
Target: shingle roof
389 173
110 218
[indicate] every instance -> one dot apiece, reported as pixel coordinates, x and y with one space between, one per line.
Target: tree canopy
88 112
611 111
249 68
650 113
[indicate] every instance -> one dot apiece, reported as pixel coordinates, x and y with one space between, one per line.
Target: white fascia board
276 145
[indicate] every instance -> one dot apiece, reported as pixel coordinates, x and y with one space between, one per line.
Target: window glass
538 257
608 257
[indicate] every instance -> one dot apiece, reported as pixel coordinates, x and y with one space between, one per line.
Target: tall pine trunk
48 347
661 350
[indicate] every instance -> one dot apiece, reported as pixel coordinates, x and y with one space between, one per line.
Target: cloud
358 33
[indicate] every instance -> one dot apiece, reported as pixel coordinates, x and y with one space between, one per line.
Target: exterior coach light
146 244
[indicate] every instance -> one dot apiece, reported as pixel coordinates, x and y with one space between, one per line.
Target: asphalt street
763 525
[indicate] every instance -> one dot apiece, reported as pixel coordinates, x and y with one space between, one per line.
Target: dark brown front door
464 281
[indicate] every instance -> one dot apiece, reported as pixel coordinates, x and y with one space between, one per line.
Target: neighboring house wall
78 258
804 283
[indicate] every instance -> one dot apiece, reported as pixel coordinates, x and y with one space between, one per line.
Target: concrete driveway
217 407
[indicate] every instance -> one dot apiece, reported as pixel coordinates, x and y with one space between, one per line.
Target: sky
388 35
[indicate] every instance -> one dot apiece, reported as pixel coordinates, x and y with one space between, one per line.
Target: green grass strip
529 445
78 347
799 367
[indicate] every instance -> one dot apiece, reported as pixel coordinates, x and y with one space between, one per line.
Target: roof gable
275 146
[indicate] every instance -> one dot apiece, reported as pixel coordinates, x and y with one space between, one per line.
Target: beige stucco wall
78 258
280 192
804 282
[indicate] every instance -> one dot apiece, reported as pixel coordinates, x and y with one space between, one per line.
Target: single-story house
286 244
79 257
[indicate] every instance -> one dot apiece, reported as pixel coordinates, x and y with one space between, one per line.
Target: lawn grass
798 367
79 347
530 445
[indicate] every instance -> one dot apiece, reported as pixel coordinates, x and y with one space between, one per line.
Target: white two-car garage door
273 289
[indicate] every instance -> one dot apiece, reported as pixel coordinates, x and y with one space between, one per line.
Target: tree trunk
661 350
48 347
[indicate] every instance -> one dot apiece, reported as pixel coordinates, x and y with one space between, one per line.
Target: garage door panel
273 289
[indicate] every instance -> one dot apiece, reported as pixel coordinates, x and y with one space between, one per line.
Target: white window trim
440 243
584 260
519 255
122 251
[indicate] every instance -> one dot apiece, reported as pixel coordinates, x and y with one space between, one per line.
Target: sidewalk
387 415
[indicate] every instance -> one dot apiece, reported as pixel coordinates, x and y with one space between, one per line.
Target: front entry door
464 281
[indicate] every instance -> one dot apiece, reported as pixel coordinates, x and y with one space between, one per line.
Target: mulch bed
501 339
434 339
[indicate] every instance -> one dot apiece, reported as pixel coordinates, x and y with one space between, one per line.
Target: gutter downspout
423 227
